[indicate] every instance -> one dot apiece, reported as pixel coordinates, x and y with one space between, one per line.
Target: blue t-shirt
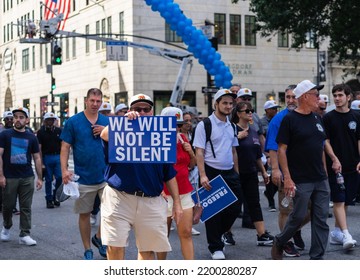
18 149
146 177
273 129
89 159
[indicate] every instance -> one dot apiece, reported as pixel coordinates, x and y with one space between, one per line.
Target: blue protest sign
147 139
213 201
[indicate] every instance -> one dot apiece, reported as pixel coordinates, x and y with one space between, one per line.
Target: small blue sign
147 139
215 200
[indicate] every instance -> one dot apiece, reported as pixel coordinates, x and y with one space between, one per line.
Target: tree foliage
333 19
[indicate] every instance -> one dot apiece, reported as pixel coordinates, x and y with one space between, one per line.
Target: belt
138 193
51 154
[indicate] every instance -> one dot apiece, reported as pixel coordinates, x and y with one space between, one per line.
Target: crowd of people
303 153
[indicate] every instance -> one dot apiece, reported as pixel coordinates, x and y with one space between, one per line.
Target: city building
28 77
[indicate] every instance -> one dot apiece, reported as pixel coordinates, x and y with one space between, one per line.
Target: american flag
62 6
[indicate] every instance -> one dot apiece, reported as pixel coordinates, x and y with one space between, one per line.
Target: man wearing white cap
138 186
342 130
271 109
105 109
301 151
218 156
17 148
121 109
50 145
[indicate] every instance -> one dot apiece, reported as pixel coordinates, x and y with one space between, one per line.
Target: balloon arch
194 38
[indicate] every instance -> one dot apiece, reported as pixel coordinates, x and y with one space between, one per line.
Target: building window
162 97
46 55
67 51
25 60
121 25
26 104
171 36
121 97
41 55
109 26
220 28
103 32
87 41
310 38
235 30
283 39
74 46
250 31
97 31
33 57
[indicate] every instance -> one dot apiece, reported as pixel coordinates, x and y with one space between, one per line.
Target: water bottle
75 177
340 181
285 202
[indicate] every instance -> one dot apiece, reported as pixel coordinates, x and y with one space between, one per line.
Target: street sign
207 90
52 103
117 50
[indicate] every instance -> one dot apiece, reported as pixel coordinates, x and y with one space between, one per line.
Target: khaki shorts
85 203
186 202
121 212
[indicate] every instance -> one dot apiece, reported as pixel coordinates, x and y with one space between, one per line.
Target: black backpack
207 127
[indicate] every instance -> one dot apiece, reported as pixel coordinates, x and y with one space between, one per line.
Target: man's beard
19 126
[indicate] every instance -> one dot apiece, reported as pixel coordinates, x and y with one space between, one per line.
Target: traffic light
57 55
53 85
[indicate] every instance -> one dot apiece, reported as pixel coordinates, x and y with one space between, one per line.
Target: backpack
207 127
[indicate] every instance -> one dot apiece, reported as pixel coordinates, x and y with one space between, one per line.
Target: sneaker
290 250
218 255
27 240
16 211
336 238
227 238
276 251
348 242
93 219
299 242
88 255
49 204
5 234
331 204
266 239
97 243
195 232
272 208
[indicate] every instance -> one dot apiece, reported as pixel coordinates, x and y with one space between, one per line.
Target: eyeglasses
245 98
317 94
247 111
144 109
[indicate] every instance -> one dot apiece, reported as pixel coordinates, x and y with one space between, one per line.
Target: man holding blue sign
132 197
218 157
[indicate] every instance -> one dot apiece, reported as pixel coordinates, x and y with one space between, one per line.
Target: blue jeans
53 169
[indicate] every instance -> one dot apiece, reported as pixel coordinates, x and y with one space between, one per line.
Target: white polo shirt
223 139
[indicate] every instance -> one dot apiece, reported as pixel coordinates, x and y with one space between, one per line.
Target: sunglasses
247 111
245 98
144 109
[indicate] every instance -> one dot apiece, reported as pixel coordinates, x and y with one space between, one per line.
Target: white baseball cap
355 105
324 97
50 115
7 114
120 107
173 112
21 109
305 86
105 106
244 92
140 98
222 92
271 104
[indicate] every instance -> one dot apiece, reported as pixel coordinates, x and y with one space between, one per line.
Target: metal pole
51 78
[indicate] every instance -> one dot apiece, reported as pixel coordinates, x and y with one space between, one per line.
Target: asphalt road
57 235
